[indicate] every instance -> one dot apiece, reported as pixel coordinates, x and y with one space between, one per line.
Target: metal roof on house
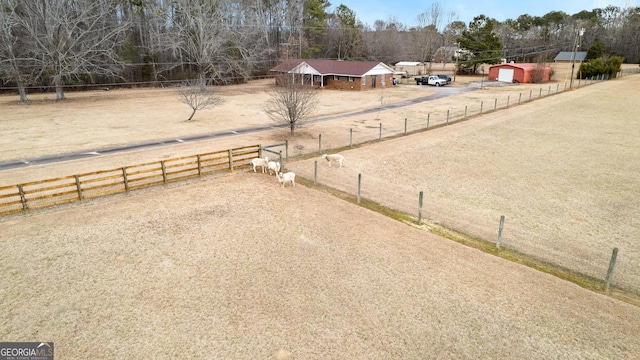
568 56
332 67
524 66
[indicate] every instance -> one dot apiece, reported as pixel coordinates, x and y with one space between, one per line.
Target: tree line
62 44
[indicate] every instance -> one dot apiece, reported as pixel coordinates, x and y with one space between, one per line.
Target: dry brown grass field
234 266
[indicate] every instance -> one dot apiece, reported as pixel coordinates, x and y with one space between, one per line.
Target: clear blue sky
405 11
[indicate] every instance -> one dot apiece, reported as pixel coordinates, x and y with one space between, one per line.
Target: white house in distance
411 68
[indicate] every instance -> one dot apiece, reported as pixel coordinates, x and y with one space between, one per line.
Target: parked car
430 80
445 77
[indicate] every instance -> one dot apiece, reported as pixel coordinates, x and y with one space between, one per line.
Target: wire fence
540 241
439 117
591 260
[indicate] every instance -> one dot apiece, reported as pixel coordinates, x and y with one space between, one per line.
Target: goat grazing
286 178
273 166
260 162
334 157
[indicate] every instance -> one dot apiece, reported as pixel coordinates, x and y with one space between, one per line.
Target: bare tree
631 36
344 36
425 36
385 43
382 98
220 40
13 49
160 41
74 39
291 103
449 35
196 94
198 36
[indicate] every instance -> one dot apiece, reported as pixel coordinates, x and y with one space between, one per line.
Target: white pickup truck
431 80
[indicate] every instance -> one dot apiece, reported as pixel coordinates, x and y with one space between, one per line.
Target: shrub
600 66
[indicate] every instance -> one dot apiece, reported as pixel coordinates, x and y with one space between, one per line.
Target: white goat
260 162
286 178
334 157
273 166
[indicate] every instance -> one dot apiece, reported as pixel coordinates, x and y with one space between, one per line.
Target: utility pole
576 45
457 54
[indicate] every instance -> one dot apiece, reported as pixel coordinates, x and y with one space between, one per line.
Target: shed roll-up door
505 75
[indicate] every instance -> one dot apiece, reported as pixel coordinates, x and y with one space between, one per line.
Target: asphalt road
441 93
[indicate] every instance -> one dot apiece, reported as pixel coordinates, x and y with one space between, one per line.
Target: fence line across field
593 265
597 263
451 116
21 197
445 117
50 192
44 193
592 261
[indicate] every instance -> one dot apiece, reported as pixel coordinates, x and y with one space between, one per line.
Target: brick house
337 74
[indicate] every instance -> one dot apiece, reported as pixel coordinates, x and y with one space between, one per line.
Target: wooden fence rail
50 192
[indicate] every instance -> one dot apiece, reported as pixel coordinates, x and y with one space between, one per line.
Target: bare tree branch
291 103
13 48
196 94
76 38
